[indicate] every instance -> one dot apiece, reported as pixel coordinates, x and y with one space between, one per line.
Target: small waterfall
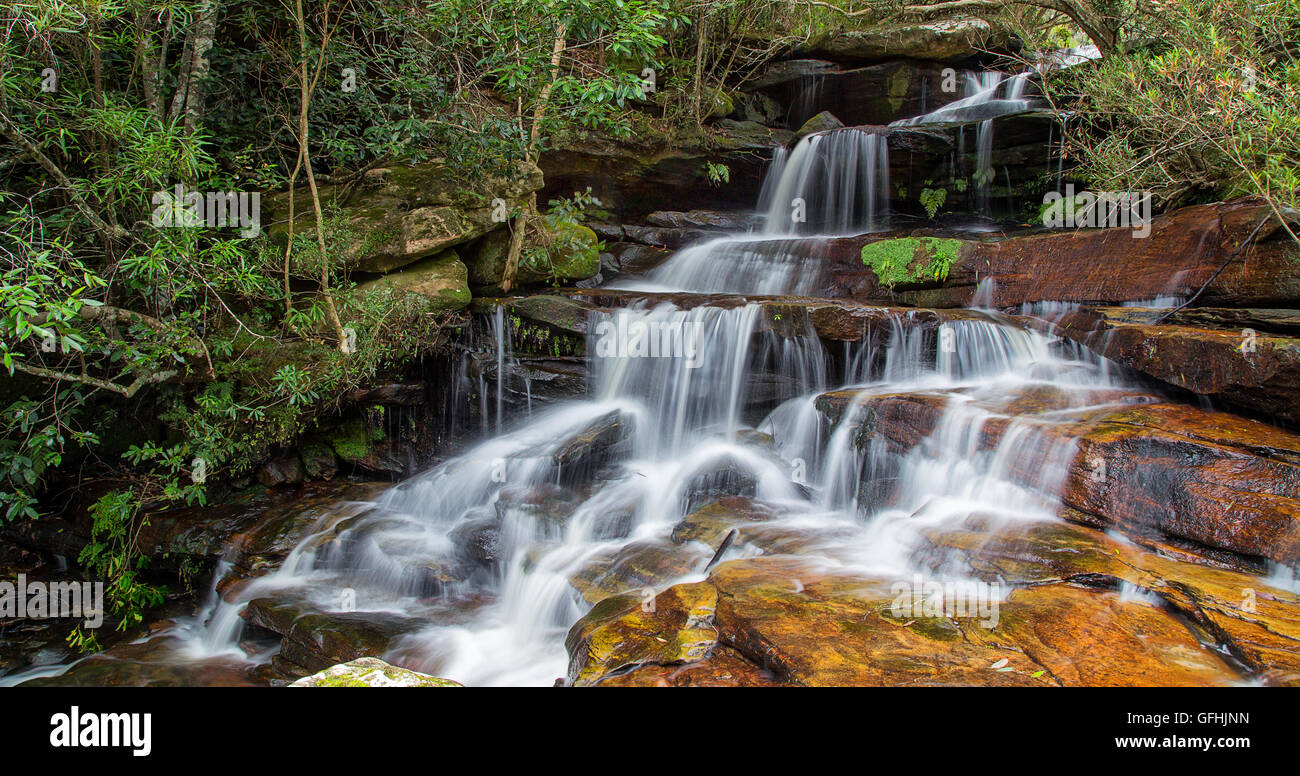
834 182
738 265
986 97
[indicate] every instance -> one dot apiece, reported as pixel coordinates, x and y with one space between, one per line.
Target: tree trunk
539 113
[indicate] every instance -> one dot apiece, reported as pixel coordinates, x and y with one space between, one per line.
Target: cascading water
987 96
835 182
483 563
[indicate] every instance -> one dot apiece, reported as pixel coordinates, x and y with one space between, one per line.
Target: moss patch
906 260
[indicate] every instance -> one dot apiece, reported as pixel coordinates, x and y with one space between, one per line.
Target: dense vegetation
146 361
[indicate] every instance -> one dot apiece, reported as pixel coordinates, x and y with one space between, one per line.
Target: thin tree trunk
304 149
534 135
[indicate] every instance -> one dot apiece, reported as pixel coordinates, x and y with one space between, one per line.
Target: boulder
822 122
671 628
403 213
440 282
313 641
371 672
1243 366
287 470
940 41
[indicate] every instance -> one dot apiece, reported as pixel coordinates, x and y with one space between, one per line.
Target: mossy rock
822 122
443 280
353 441
318 459
573 254
903 261
371 672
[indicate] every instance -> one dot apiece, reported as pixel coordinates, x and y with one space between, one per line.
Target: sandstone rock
822 122
633 178
942 41
441 282
1089 266
814 628
674 627
1254 370
1255 622
313 641
1152 469
636 566
403 213
396 394
785 620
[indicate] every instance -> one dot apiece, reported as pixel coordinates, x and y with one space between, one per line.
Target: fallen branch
125 390
1250 239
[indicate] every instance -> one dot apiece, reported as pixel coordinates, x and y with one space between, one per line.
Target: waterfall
834 182
987 96
689 401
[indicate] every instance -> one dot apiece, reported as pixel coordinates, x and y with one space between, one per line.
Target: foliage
906 260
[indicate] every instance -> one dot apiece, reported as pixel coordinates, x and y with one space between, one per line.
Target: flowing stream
583 495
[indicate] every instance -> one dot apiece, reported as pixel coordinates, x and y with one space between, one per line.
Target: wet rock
710 523
1087 638
1151 469
280 471
633 258
876 94
315 641
318 460
156 663
637 177
559 312
787 71
546 504
478 540
1092 266
822 122
1208 477
371 672
591 448
622 632
1256 623
725 667
397 394
363 446
812 627
636 566
670 238
704 219
1256 371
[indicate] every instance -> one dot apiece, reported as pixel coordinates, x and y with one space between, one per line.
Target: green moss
906 260
352 440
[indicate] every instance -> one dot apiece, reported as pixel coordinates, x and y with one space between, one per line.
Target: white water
674 432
